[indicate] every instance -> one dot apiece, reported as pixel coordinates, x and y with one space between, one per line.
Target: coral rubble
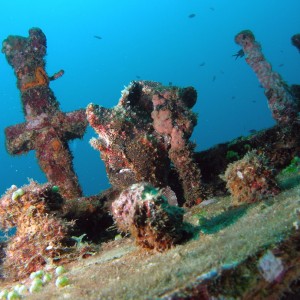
250 179
144 133
280 99
144 212
46 130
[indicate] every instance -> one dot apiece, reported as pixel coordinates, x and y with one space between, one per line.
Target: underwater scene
150 149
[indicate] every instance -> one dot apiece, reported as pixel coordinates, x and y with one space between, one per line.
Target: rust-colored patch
41 78
56 144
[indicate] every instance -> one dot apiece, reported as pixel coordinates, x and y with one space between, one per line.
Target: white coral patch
124 170
270 266
240 175
125 91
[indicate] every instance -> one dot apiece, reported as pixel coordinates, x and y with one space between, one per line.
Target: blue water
155 40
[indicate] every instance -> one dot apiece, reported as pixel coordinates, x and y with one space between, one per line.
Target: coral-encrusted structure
250 179
144 212
296 40
41 234
295 89
148 129
280 99
279 144
46 130
174 121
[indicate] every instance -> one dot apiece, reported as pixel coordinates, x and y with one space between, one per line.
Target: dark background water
154 40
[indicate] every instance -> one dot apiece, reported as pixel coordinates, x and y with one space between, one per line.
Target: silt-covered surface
222 259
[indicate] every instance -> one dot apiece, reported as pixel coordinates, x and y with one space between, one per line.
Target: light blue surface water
149 40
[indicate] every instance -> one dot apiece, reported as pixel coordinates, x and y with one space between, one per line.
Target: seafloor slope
248 252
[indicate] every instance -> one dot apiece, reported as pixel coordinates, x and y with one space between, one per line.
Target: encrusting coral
143 211
46 130
42 235
147 130
250 179
173 120
280 99
41 78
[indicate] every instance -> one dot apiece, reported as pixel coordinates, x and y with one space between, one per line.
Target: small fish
239 54
233 97
252 131
253 101
281 65
202 64
170 83
97 37
138 76
214 78
212 8
192 16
